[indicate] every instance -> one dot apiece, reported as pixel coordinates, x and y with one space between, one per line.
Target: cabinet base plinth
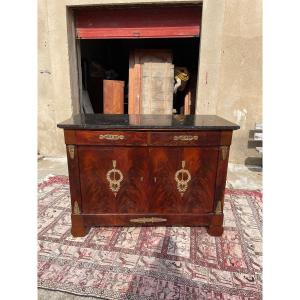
82 223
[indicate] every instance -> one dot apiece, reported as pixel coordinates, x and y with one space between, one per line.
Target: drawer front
203 138
122 138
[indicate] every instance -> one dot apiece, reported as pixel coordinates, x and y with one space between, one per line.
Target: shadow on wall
255 142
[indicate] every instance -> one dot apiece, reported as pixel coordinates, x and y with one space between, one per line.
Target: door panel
202 165
185 179
113 180
164 194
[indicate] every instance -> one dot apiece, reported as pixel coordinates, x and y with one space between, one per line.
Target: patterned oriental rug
151 262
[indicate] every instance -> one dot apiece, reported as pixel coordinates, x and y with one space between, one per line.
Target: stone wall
230 74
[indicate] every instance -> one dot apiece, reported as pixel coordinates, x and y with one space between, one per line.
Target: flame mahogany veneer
147 170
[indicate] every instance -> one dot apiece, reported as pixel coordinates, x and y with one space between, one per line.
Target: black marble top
101 121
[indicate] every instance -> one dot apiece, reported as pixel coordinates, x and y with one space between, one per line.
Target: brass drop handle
142 178
154 179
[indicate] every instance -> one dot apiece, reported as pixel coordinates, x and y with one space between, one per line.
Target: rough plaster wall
47 139
54 83
239 96
230 75
57 92
230 67
210 56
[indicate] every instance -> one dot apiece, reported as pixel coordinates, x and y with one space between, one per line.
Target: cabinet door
164 163
113 179
199 195
184 179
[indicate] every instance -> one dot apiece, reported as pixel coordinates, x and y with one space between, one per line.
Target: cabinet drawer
124 138
203 138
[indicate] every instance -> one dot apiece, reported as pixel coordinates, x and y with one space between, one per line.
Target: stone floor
238 177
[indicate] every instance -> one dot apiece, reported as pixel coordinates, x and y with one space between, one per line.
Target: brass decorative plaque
148 220
219 208
224 150
76 210
71 150
182 177
114 178
185 138
111 137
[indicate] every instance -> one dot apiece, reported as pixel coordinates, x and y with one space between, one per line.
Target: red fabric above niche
134 22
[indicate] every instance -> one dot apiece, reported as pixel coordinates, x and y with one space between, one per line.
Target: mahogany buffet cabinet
149 170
